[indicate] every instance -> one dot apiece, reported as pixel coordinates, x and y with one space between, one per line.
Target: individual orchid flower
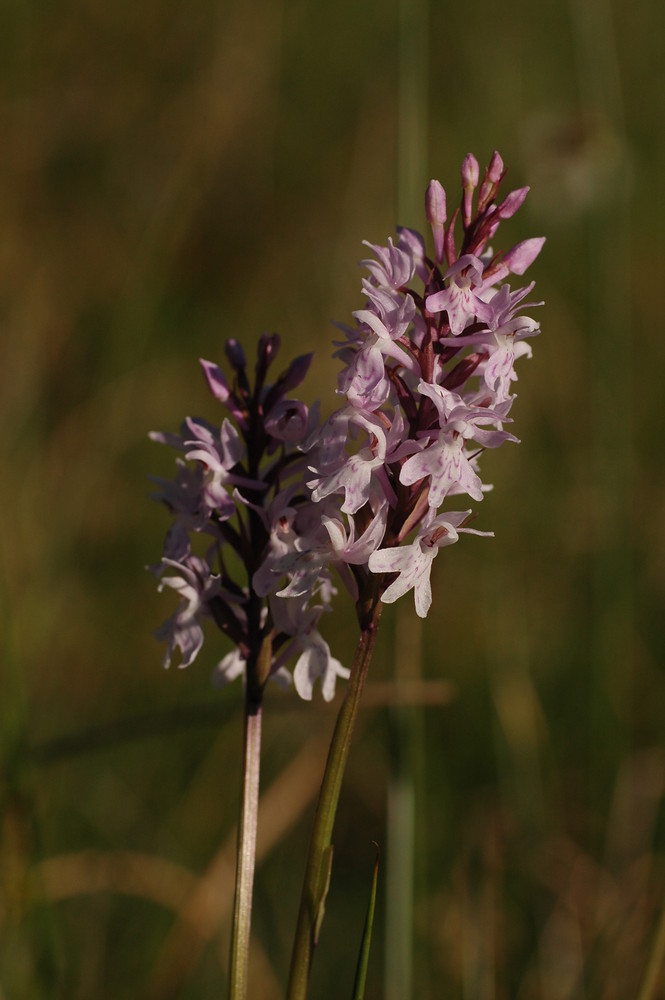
446 465
195 585
316 663
462 299
413 562
354 475
393 266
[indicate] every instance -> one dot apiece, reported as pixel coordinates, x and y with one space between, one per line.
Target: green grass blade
363 957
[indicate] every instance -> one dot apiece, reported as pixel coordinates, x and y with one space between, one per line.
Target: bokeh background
173 174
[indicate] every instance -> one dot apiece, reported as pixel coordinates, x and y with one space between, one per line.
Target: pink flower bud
491 182
216 380
435 212
470 172
495 169
221 390
511 203
435 203
523 254
470 175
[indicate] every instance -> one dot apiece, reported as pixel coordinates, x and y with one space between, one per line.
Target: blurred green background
171 175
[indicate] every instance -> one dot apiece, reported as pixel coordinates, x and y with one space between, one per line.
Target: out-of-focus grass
174 174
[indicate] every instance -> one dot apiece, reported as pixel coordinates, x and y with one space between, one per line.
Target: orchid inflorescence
281 499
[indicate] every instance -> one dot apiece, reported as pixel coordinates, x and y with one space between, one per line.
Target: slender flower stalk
246 855
317 874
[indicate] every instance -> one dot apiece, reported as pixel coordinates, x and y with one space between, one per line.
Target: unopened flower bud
470 175
523 254
235 354
267 349
435 212
511 203
216 380
295 373
495 169
470 172
491 181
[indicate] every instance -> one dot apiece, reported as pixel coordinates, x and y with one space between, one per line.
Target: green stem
317 874
246 856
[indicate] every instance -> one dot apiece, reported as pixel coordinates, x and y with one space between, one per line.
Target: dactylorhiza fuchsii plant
274 509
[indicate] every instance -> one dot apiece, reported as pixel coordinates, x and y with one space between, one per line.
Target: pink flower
447 467
195 586
394 267
413 562
354 476
349 549
316 663
461 298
